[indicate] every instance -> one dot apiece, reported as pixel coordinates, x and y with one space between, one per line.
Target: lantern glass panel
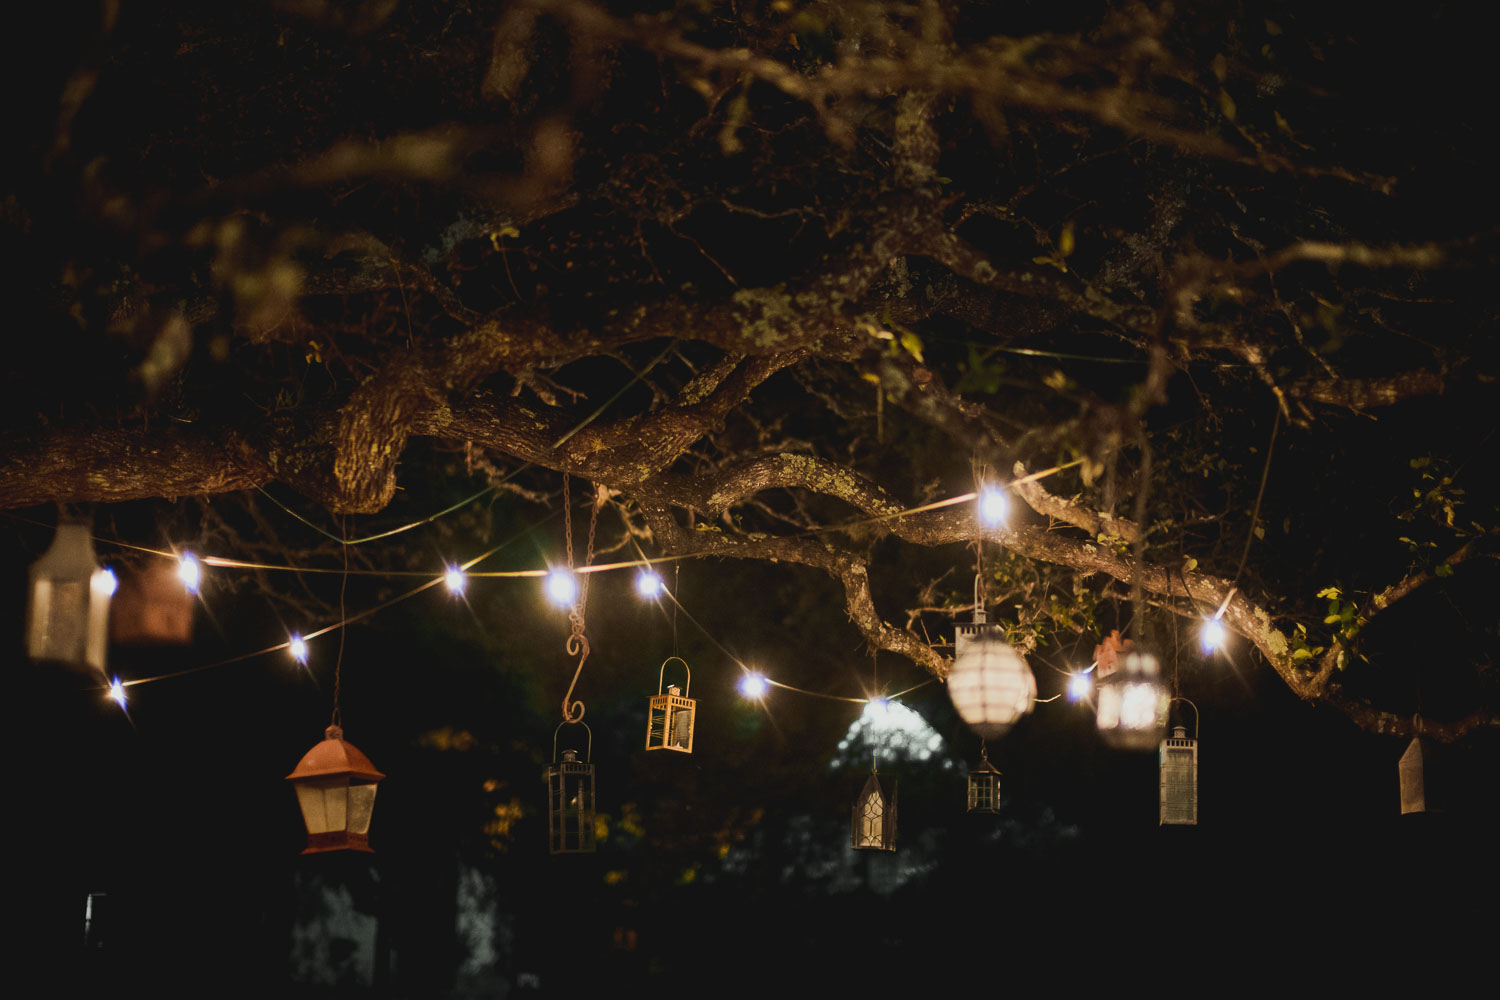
324 803
871 821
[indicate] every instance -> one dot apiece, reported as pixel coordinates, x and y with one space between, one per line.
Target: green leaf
1330 619
1329 592
912 344
1442 569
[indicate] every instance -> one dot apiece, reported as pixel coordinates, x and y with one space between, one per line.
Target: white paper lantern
990 683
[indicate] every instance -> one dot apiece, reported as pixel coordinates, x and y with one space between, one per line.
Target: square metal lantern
984 786
570 800
335 786
67 614
669 722
875 816
1179 779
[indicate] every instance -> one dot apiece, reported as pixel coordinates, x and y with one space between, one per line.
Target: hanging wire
338 664
1265 474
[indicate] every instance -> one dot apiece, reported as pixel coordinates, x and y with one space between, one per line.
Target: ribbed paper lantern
990 683
67 614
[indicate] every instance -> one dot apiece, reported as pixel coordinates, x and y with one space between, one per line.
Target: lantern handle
588 754
1196 717
661 677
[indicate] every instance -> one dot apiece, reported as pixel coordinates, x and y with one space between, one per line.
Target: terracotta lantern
875 815
990 683
984 786
153 607
669 722
335 786
67 614
1132 702
570 800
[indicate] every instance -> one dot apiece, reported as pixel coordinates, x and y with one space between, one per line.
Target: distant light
455 580
105 583
117 692
298 648
648 584
189 572
562 588
994 505
1080 686
754 685
1212 635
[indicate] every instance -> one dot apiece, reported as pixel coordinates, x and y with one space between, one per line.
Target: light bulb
117 692
753 685
994 505
1080 686
648 584
562 588
1212 635
189 572
298 648
876 708
105 583
455 580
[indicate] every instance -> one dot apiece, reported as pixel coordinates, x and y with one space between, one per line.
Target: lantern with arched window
669 722
570 798
335 786
67 613
875 815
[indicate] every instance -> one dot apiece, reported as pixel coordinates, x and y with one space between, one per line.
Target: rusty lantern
335 786
875 815
570 799
67 614
153 607
984 786
669 723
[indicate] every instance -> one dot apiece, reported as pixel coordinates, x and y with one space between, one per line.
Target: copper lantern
990 683
1179 779
154 606
669 723
1132 702
875 815
335 786
984 786
67 614
570 800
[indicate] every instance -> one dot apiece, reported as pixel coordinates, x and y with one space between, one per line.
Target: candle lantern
990 683
875 815
335 786
1132 705
984 786
67 616
669 722
570 799
1179 779
153 607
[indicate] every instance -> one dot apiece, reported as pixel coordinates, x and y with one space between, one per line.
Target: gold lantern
154 606
875 815
335 786
669 723
984 785
1179 779
990 683
67 615
1132 702
570 799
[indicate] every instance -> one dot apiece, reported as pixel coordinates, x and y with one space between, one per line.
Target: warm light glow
298 648
754 685
105 583
562 588
994 505
876 708
1080 686
1212 635
455 580
117 692
189 572
648 584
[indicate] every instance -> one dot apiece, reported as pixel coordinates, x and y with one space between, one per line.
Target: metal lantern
669 723
335 786
1132 706
1179 779
875 816
1416 784
984 786
67 616
990 683
153 607
570 799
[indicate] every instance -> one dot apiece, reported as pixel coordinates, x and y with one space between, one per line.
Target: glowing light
1212 635
754 685
876 708
1080 686
562 588
994 505
298 648
648 584
105 583
455 580
117 692
189 572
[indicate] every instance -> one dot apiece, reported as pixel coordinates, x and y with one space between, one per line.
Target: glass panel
870 825
310 798
682 727
361 806
336 806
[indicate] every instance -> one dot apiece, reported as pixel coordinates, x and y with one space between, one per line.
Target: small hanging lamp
669 721
1179 779
67 615
570 798
1132 702
984 785
154 607
875 815
335 786
990 683
1415 772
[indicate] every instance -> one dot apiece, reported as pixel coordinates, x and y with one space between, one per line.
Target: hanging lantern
67 617
875 816
1132 703
570 799
1417 785
984 786
335 786
669 723
1179 779
990 683
153 607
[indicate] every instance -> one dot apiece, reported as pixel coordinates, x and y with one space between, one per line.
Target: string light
1080 686
876 708
562 588
648 584
454 580
298 648
117 692
189 572
754 685
1211 636
994 506
105 582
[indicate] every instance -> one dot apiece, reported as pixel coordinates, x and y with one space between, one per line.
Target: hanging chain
578 643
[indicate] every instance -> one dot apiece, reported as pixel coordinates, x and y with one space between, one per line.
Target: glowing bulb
298 648
754 685
648 584
455 580
994 505
562 589
105 583
1080 686
189 572
117 692
876 708
1212 635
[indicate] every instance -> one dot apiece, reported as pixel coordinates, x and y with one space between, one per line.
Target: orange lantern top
336 789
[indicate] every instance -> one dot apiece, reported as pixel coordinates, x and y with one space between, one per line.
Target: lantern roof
335 755
984 765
